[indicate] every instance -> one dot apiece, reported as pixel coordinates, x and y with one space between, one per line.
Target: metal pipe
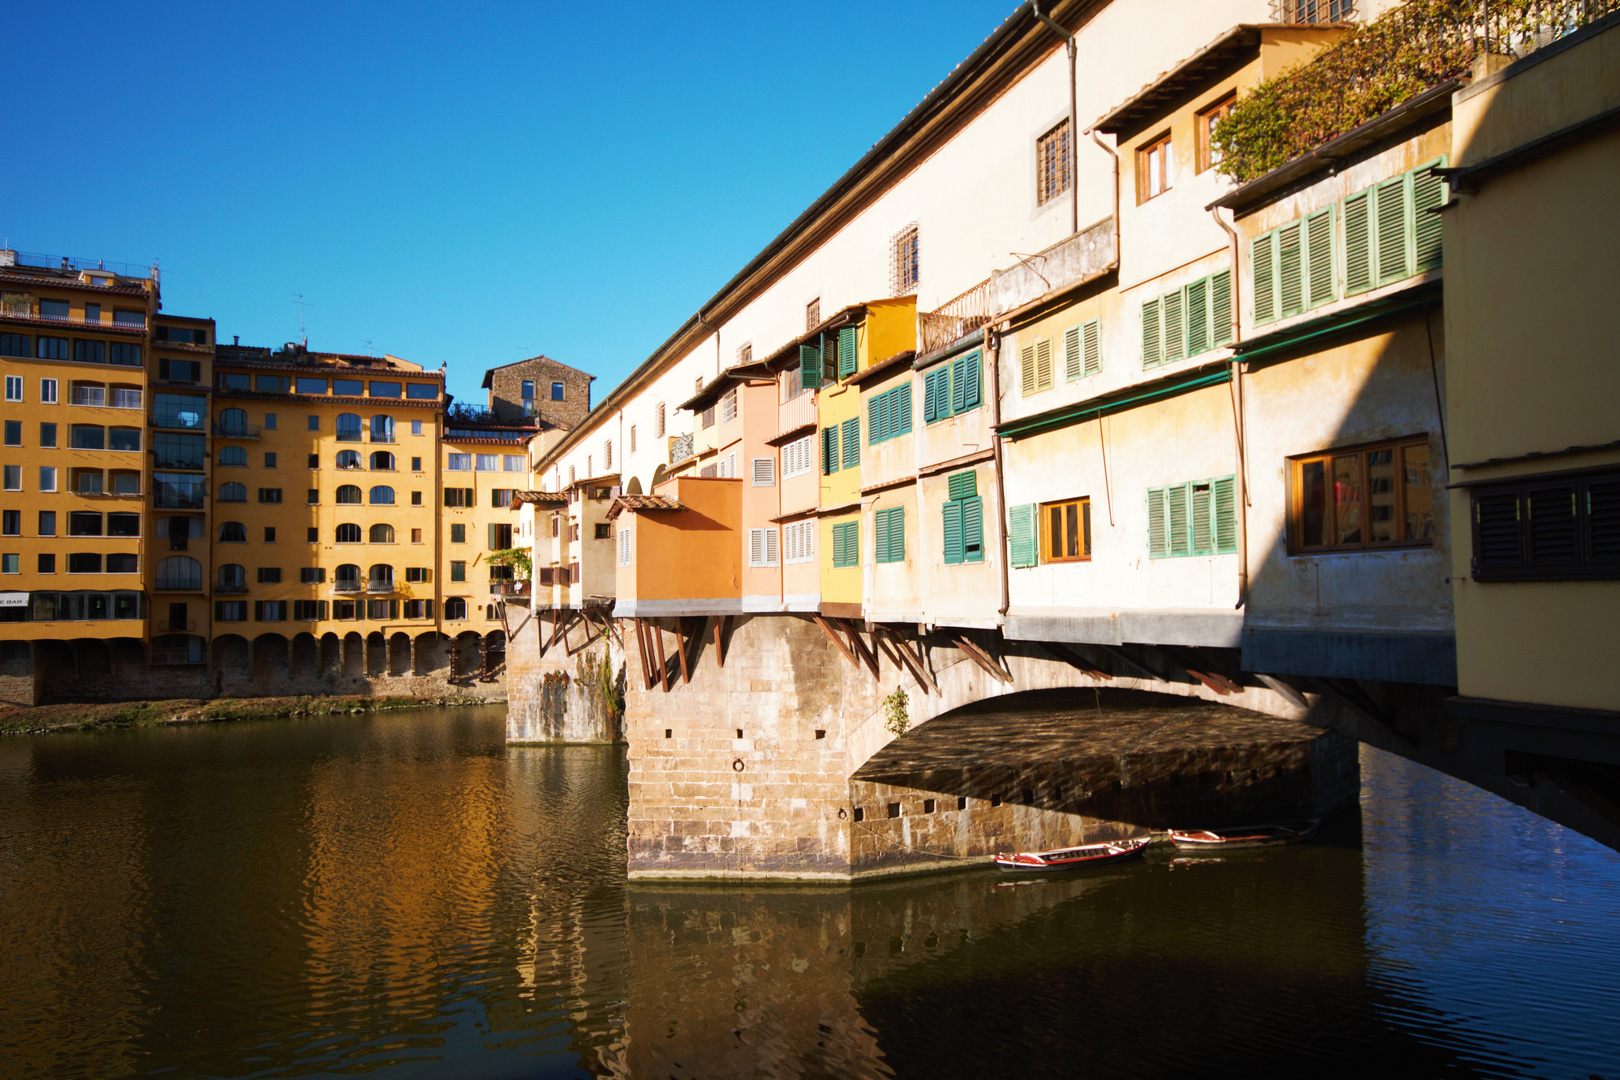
992 349
1074 122
1235 314
1111 152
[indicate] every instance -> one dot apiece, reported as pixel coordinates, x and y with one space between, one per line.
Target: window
51 348
762 547
312 534
92 312
458 570
89 352
269 495
14 387
624 547
269 534
1052 163
604 531
312 496
501 497
230 610
122 438
556 391
309 610
47 478
1209 152
1051 532
459 497
905 267
658 421
47 523
346 578
416 427
233 532
1293 267
47 562
314 422
632 439
888 415
799 538
348 387
382 461
420 392
228 455
230 381
381 578
515 463
455 609
13 477
179 370
798 456
1082 350
846 538
12 523
123 354
500 537
306 385
1198 518
87 481
416 534
10 563
348 495
179 572
232 578
1187 321
47 391
387 389
1035 367
16 345
416 498
487 462
763 471
13 432
349 428
1316 11
125 483
812 314
954 387
829 450
344 610
126 397
1370 497
87 437
528 390
348 533
416 464
89 562
231 491
269 611
607 453
1155 172
460 463
123 524
269 575
964 519
348 459
728 406
889 534
382 429
269 460
270 421
1564 526
416 575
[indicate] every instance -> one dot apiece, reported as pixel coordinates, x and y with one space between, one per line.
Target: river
403 895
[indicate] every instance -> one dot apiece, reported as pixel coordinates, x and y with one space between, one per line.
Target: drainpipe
1235 314
992 349
1074 126
1111 152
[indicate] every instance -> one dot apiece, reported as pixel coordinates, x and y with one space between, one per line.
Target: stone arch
354 654
399 654
376 653
634 486
430 654
494 653
466 658
331 654
95 658
658 478
127 656
230 654
306 657
270 660
55 666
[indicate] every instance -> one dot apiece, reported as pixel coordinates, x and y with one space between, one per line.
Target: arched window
455 609
179 572
382 495
348 459
232 492
382 429
232 532
232 576
233 422
382 578
347 578
382 534
382 459
348 493
349 427
348 534
232 455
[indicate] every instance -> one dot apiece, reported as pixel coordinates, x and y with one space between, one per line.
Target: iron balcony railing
228 588
955 318
347 586
237 431
509 588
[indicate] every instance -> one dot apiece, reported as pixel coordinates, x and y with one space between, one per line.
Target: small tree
517 558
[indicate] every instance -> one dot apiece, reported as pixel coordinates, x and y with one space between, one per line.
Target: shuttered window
964 520
1082 350
829 450
762 549
1548 528
846 538
1035 367
852 442
1293 268
799 538
798 456
888 414
954 387
1195 518
889 534
810 366
1190 320
624 547
763 471
1021 535
1064 530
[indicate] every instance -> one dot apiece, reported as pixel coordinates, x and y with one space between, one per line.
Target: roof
53 280
610 479
261 357
489 373
637 504
538 498
883 367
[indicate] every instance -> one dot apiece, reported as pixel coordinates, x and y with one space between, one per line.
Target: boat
1071 858
1248 837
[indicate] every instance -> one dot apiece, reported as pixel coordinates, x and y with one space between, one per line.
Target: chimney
236 339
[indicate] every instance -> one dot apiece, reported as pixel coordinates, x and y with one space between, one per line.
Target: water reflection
404 895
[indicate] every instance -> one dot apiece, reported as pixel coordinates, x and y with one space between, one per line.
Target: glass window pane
1381 496
1419 493
1313 504
1071 531
1054 536
1347 499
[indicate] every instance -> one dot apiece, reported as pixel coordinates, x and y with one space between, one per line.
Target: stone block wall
556 698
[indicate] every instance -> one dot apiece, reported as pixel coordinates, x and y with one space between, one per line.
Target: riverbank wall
564 683
80 716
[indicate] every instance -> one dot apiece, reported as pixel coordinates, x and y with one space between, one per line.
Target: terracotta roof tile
639 503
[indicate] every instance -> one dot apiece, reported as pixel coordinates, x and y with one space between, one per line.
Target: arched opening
382 534
348 459
634 486
376 654
658 478
306 657
494 654
382 495
232 455
382 460
179 572
232 578
467 656
231 491
349 427
381 578
231 658
232 532
347 579
269 658
348 495
430 654
382 429
354 654
399 654
233 423
348 533
331 654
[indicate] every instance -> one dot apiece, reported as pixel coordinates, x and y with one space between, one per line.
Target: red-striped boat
1071 858
1251 837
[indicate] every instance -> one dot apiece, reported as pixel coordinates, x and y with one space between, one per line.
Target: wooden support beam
663 665
1355 697
1132 664
1294 696
680 651
914 661
897 656
1203 672
720 626
832 636
556 624
644 650
980 657
1075 660
855 642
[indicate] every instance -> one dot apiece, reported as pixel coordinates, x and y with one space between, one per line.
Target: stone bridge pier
766 747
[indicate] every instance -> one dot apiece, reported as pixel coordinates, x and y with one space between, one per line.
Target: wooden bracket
1192 665
680 651
644 649
982 658
721 625
894 648
832 636
867 656
664 677
1294 696
1075 660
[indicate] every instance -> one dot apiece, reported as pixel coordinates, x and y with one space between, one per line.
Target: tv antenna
303 335
369 350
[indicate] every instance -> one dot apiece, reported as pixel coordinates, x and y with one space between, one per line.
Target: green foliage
1373 68
596 670
896 717
517 558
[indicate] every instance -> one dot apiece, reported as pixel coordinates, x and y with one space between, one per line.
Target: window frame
1588 565
1296 498
1050 181
1082 506
1208 117
1144 164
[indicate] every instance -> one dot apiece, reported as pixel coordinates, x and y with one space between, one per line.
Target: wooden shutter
1392 230
1043 364
953 531
880 535
1496 531
852 442
1220 308
958 386
1428 195
846 351
897 534
972 380
1158 544
875 427
772 549
1603 521
1072 363
1550 514
1091 336
494 543
930 397
964 485
1151 353
1203 540
1262 259
1358 276
1319 258
1021 524
829 450
1175 500
1198 317
1026 370
973 529
900 418
809 371
1173 310
1224 497
1290 271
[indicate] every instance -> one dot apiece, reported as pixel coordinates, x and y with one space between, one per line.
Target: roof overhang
642 504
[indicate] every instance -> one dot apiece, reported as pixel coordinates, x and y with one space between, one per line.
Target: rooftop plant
517 558
1375 67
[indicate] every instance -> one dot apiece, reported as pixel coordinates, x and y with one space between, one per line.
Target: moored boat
1071 858
1248 837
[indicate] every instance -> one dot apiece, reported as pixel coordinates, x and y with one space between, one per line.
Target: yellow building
180 372
484 465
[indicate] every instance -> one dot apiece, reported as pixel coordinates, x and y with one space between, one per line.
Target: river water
404 895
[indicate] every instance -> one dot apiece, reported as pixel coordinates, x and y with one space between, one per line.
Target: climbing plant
517 558
896 717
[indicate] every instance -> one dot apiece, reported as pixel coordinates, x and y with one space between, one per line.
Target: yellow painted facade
483 468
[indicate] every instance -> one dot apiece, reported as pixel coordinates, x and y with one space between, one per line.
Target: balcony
349 436
230 588
509 588
347 587
797 412
174 421
379 587
241 431
955 318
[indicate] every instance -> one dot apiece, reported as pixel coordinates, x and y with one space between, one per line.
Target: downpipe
1236 382
1074 123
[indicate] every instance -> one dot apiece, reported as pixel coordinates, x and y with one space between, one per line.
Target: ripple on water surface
402 894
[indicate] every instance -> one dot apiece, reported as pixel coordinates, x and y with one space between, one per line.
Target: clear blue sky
453 183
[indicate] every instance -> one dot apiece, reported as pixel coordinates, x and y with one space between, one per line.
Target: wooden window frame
1144 192
1082 506
1208 117
1296 498
1053 177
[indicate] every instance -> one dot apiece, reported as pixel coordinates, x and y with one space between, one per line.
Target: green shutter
973 529
958 386
1198 317
1175 499
880 535
1392 230
810 366
1151 354
1224 496
1172 309
1158 546
838 545
1092 334
846 351
852 442
874 418
1021 534
1428 195
1358 243
1220 308
1203 541
890 542
1265 278
1071 353
900 421
930 397
964 485
953 531
972 381
1319 258
829 450
493 545
1290 271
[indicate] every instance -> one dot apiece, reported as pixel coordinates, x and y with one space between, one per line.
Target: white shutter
772 557
624 547
764 472
731 466
756 547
